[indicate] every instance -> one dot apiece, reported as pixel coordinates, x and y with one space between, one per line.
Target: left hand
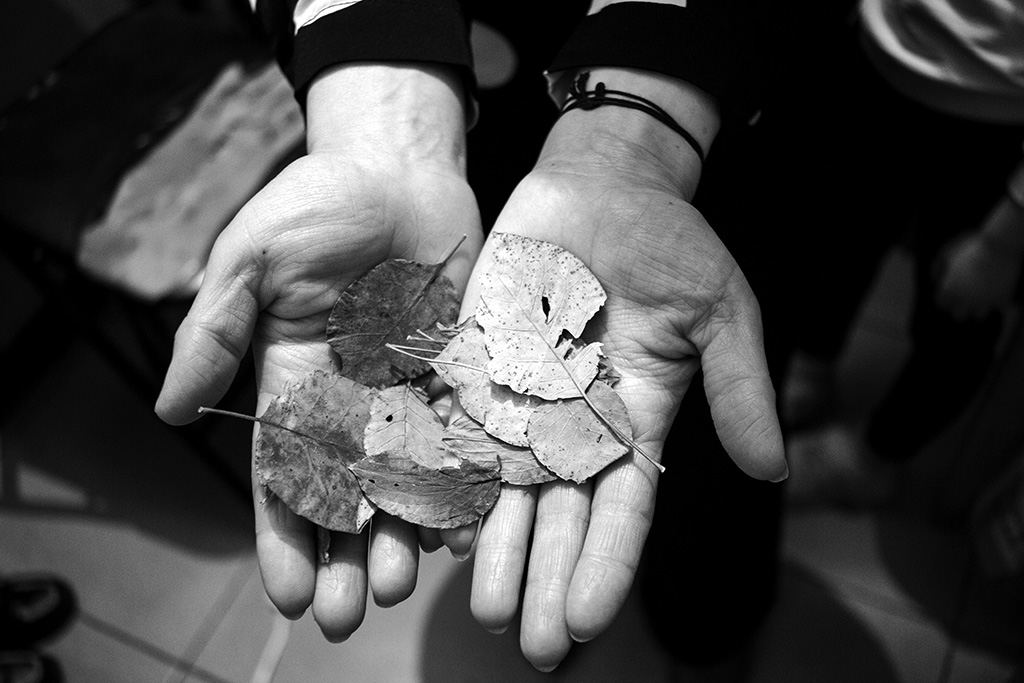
677 302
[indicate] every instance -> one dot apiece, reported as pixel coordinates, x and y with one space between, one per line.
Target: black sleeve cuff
713 44
381 31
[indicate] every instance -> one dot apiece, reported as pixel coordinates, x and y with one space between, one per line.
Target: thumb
211 341
742 401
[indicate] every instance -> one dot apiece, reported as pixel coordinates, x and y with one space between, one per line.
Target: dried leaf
401 421
553 380
461 364
607 373
439 499
534 301
521 467
304 455
384 306
509 415
466 437
572 441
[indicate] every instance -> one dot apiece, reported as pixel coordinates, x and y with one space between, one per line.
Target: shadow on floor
811 636
89 438
973 608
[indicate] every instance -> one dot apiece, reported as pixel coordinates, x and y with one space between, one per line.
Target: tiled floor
160 553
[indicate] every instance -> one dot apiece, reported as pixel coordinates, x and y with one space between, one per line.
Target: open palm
272 280
677 303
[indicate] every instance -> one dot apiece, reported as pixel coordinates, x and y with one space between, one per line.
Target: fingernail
782 477
461 557
497 630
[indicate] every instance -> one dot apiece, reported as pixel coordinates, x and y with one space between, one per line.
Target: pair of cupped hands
385 177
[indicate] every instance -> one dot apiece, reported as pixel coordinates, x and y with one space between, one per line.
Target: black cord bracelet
581 98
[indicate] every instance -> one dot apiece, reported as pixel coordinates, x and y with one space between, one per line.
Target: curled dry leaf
440 499
572 441
307 440
467 438
534 301
385 306
462 365
401 421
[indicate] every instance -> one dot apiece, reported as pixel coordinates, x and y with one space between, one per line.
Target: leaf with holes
535 300
307 440
439 499
401 421
385 306
571 440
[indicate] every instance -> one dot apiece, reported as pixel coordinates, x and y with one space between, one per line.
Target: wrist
412 112
634 142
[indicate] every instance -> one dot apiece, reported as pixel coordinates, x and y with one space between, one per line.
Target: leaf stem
230 413
583 394
258 420
451 252
406 350
423 336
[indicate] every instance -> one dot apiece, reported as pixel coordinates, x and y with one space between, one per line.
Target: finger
460 540
430 539
339 603
394 559
212 340
285 552
620 517
501 557
563 514
742 399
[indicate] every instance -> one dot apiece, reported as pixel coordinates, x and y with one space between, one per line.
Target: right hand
384 178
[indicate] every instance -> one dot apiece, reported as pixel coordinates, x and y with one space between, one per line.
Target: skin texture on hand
382 180
677 302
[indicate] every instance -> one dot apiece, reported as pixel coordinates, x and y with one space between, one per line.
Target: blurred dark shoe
33 608
28 666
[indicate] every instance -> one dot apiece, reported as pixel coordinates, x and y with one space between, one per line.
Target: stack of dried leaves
539 404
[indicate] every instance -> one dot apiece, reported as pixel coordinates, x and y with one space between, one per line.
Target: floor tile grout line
211 621
144 647
273 650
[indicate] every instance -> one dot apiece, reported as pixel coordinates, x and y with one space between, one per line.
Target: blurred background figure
914 141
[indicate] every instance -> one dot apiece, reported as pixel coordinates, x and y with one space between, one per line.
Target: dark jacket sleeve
718 45
434 31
